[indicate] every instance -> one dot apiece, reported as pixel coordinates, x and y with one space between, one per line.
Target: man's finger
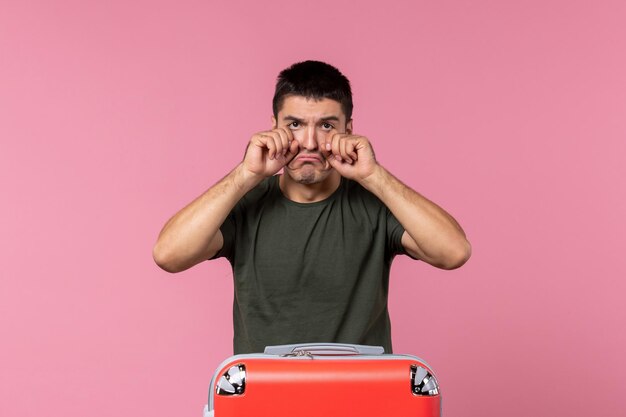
278 140
350 150
268 141
293 150
284 138
335 146
343 149
326 147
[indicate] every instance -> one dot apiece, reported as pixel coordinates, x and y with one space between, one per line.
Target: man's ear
349 126
274 125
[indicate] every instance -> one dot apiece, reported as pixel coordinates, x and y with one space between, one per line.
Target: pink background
113 115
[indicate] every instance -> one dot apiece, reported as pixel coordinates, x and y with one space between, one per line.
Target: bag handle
323 349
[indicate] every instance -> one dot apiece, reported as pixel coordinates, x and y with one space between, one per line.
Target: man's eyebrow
323 119
294 118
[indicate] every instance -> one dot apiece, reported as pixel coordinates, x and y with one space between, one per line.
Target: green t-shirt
310 272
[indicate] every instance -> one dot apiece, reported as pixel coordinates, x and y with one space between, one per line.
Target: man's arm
431 234
192 235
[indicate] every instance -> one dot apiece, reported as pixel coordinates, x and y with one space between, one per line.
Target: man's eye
294 125
327 126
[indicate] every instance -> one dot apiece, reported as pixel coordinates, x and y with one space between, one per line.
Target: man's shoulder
262 190
352 190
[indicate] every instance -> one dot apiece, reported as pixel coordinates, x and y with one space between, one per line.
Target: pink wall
113 115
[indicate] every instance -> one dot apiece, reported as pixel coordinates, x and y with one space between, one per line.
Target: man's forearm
190 236
436 236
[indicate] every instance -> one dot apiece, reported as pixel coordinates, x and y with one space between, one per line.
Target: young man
310 249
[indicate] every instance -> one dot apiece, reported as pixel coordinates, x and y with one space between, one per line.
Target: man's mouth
309 157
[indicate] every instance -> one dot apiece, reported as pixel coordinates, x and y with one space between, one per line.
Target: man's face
311 122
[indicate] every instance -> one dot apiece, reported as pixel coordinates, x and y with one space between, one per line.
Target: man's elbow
457 256
165 259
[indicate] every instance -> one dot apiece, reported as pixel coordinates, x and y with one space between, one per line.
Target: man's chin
306 174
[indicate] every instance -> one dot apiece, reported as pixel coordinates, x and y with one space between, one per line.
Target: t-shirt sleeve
238 216
394 236
227 229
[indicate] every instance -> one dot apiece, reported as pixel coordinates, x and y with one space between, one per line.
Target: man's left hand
351 155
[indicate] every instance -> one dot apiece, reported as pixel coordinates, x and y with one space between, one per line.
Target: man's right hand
270 151
193 234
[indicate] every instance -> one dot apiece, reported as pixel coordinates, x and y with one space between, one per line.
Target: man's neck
309 193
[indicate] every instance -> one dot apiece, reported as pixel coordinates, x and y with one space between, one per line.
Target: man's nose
310 139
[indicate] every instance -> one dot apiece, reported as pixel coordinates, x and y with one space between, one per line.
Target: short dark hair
313 79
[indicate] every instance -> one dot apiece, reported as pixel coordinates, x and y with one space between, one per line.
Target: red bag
323 379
